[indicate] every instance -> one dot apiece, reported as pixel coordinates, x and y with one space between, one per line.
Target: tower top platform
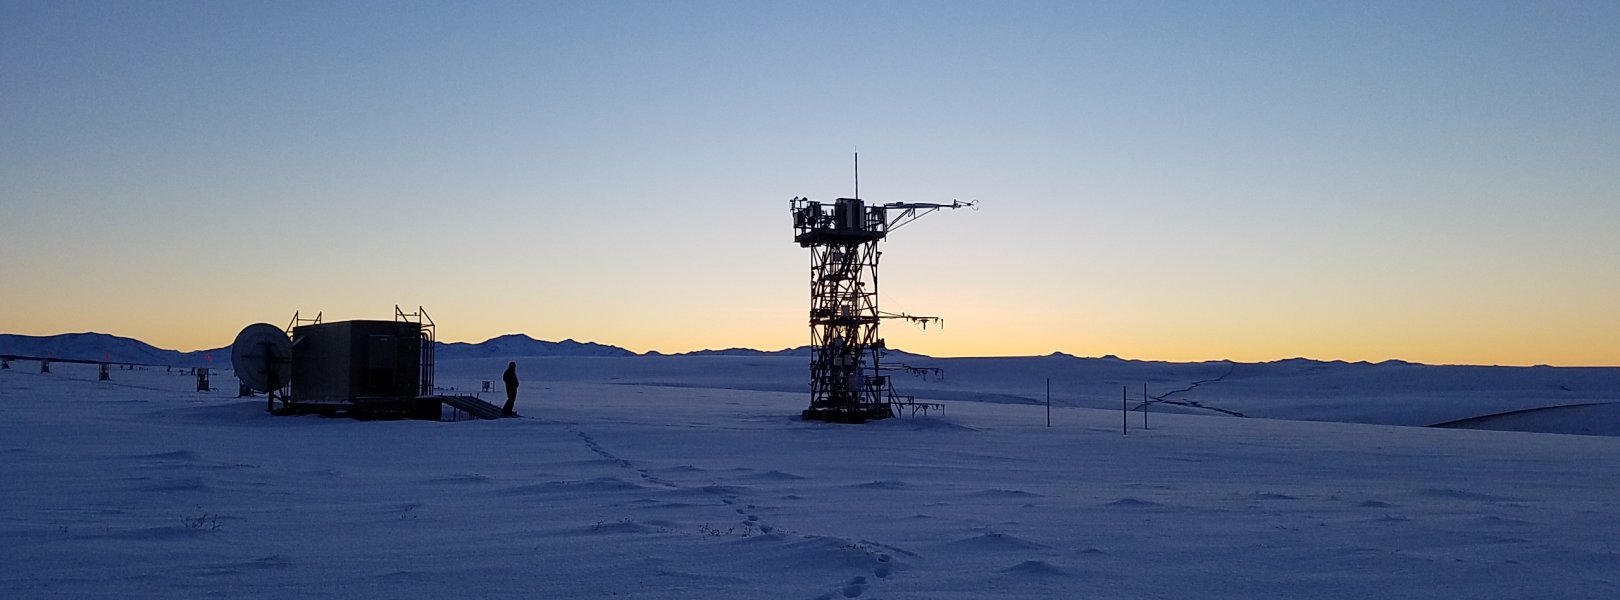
845 222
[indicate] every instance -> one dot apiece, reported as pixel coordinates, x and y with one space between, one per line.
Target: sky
1428 181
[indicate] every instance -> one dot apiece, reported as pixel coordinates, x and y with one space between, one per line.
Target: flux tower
847 383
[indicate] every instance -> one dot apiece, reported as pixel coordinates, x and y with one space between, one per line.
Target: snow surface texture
644 478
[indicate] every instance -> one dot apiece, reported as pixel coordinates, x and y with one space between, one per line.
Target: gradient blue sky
1436 182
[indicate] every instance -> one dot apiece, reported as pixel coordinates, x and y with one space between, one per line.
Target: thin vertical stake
1048 401
1144 405
1124 412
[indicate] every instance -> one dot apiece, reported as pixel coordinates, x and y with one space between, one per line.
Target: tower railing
427 331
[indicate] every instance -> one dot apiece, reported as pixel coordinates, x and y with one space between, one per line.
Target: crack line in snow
1163 398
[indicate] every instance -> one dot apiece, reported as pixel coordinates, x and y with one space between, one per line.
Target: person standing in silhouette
510 377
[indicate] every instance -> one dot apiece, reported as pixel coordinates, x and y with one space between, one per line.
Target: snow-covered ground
690 477
1383 394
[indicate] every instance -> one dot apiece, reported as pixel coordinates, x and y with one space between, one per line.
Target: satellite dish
262 357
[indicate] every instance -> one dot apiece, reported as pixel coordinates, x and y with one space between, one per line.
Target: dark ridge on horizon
93 346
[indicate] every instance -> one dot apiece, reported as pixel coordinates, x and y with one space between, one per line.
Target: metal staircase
475 408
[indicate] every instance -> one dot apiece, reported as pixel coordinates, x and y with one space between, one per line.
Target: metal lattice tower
847 383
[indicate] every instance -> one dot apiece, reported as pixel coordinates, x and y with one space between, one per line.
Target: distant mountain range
517 344
800 351
101 347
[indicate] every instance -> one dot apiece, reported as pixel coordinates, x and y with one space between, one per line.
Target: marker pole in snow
1048 401
1144 405
1124 410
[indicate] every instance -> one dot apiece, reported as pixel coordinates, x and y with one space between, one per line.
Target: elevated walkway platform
424 408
